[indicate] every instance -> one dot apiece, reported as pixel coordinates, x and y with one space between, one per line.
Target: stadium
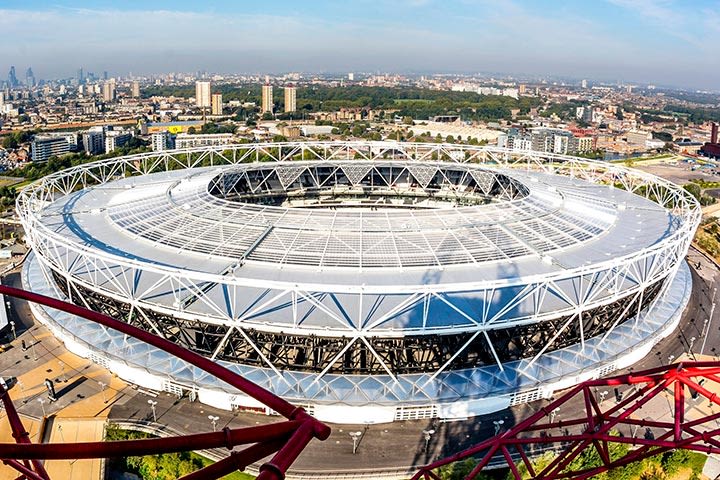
366 281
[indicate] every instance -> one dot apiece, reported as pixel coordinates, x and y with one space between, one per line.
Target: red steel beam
150 446
288 438
599 425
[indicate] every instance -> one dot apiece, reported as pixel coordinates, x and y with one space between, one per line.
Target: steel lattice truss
285 440
317 321
665 408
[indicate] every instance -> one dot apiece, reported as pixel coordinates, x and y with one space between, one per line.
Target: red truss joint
649 412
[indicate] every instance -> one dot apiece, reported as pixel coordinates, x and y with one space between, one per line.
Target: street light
102 389
708 321
22 390
214 420
497 424
427 434
62 371
152 404
554 413
671 358
603 394
12 327
356 438
42 405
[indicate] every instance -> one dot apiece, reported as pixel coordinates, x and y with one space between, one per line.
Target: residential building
185 140
93 142
44 147
108 91
162 141
217 104
290 98
117 138
135 90
267 98
202 94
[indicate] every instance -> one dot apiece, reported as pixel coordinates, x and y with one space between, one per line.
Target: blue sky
671 42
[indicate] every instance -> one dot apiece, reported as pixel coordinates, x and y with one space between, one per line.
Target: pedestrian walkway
32 426
65 430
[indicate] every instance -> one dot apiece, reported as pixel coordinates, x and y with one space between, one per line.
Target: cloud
396 35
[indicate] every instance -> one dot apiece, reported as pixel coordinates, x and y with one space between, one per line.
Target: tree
267 116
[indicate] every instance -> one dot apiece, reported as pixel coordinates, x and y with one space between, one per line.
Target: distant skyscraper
217 104
522 88
267 98
105 75
202 94
29 77
81 75
583 84
135 89
12 78
108 91
290 95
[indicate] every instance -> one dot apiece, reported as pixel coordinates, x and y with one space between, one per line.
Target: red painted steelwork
586 424
287 438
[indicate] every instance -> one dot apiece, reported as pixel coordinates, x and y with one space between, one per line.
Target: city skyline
645 41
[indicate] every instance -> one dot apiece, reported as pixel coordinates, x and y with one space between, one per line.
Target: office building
267 98
217 104
12 78
135 89
202 94
290 96
29 78
44 147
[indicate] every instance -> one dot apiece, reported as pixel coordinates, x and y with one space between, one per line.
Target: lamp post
692 342
355 438
152 404
214 420
427 434
498 424
62 371
22 390
12 327
42 405
32 345
708 321
671 358
603 394
554 413
102 389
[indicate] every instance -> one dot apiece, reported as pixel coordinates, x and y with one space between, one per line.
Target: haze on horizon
666 42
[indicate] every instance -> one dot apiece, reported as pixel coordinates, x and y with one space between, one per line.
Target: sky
664 42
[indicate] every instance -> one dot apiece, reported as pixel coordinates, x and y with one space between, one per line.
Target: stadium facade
367 281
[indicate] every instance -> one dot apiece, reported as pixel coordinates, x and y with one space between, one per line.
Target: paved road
399 444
